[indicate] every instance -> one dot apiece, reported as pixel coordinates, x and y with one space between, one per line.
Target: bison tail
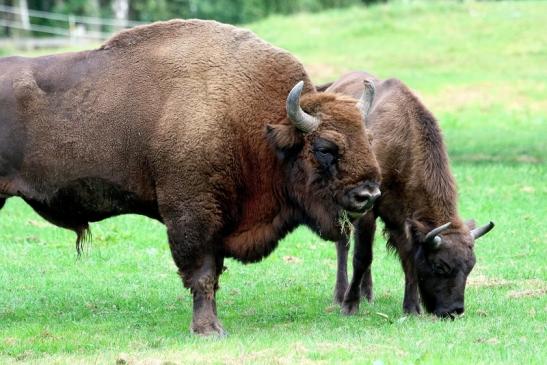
83 237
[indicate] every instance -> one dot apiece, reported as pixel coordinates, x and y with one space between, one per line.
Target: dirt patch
484 95
292 259
124 359
489 341
529 293
39 224
523 288
528 159
481 157
10 341
481 281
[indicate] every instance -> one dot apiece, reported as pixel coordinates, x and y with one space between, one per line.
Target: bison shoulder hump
168 30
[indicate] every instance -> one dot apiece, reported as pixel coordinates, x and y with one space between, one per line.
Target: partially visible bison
189 123
418 203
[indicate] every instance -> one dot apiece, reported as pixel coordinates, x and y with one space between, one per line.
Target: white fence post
25 20
121 10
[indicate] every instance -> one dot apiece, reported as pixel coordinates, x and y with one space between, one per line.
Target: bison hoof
213 329
350 308
367 294
413 309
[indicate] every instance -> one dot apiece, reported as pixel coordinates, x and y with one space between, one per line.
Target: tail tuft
83 237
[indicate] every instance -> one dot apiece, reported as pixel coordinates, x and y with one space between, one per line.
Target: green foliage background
229 11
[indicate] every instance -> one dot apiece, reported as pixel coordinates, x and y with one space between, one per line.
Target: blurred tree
93 8
5 30
150 10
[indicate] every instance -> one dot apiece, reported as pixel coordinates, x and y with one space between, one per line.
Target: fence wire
74 23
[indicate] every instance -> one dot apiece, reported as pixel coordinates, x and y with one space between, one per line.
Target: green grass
481 67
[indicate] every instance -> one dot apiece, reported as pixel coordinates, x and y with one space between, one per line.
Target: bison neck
265 213
434 196
415 167
257 236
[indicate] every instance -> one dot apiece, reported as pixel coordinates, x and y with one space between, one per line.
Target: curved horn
432 238
299 118
481 231
365 102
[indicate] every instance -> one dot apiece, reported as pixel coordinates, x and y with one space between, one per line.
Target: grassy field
482 69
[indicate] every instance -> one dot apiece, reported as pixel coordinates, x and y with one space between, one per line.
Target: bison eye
326 153
325 158
441 268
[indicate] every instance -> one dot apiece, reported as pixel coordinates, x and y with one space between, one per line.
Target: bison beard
418 204
189 123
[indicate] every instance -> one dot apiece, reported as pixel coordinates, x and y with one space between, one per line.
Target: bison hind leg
83 237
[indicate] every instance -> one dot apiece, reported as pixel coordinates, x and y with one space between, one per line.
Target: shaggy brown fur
184 122
418 194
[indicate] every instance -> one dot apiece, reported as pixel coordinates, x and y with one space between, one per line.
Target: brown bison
418 203
189 123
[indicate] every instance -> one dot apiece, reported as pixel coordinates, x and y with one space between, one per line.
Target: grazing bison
189 123
418 203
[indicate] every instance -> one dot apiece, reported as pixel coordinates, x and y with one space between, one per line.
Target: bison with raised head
194 123
418 203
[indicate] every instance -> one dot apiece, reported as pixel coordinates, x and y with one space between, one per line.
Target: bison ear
285 139
415 231
470 223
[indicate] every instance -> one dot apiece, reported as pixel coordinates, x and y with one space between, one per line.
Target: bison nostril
362 196
366 195
375 194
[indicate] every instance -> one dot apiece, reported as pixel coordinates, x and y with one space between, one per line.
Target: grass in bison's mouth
345 223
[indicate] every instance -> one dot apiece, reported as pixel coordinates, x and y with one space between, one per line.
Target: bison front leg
366 285
204 287
362 259
342 248
199 268
411 301
399 241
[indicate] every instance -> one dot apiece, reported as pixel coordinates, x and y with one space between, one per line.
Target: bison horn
432 239
365 102
299 118
481 231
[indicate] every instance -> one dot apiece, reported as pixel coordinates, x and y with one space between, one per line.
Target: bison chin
332 219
